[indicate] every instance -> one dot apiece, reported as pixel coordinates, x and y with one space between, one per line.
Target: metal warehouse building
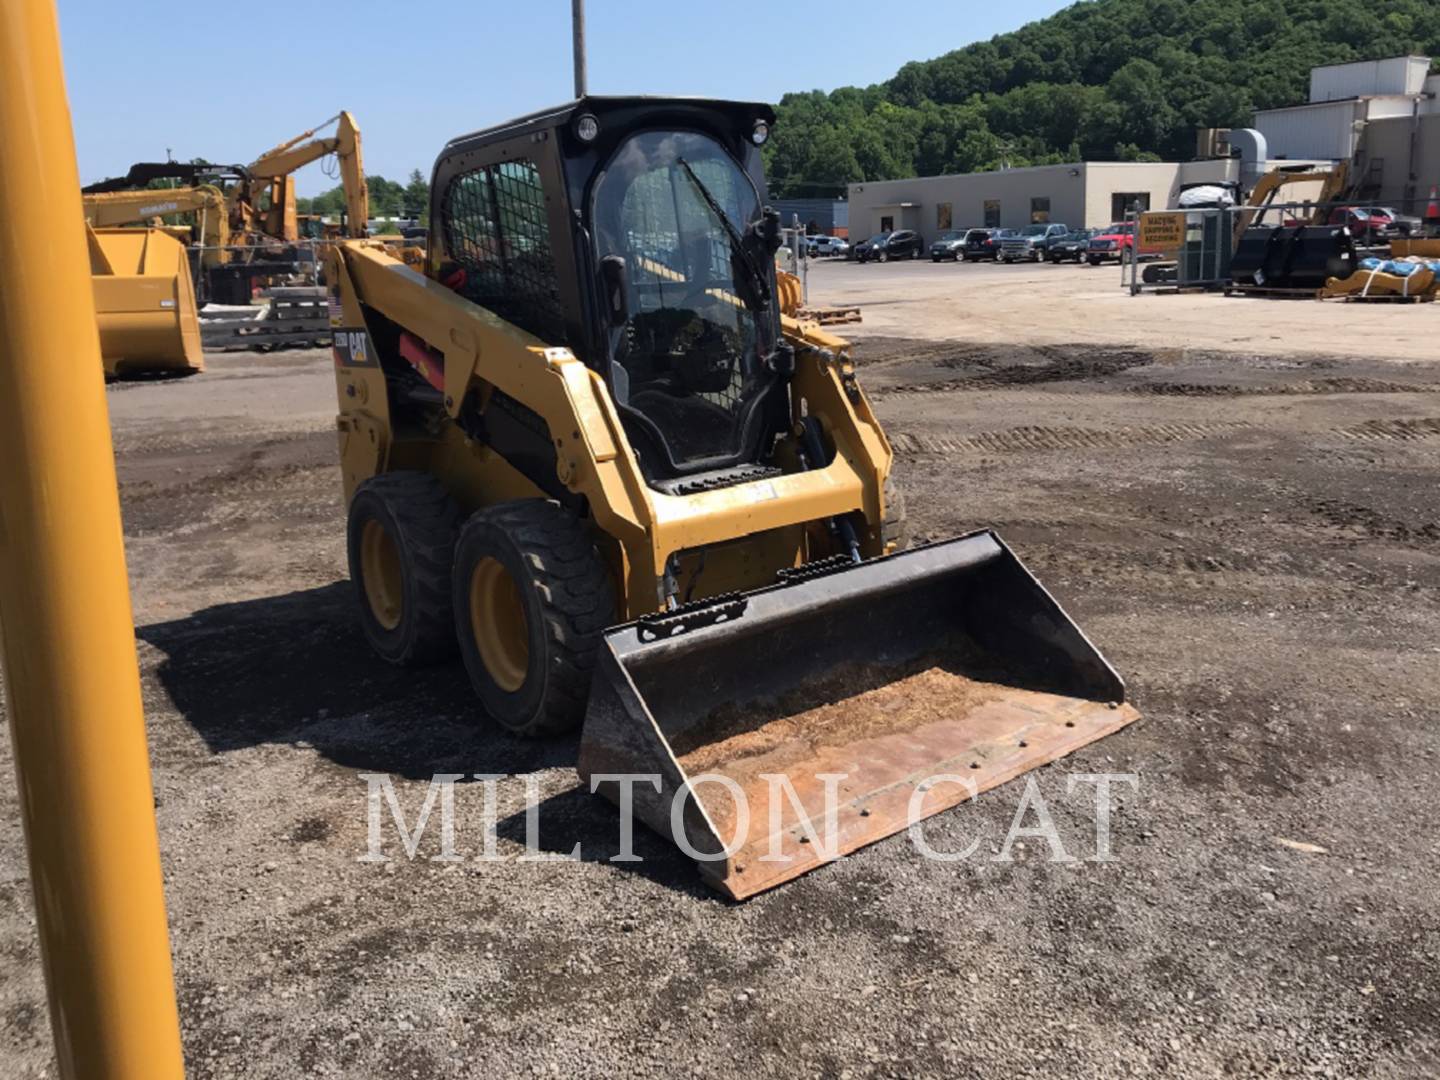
1082 195
1381 115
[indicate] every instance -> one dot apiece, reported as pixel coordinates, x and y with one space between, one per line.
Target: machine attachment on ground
144 303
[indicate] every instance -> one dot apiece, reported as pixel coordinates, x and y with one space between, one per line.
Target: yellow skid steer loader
585 449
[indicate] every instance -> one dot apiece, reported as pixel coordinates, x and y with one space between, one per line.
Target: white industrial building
1344 99
1382 116
1086 194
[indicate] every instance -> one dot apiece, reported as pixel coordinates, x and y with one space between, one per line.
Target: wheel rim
381 574
498 623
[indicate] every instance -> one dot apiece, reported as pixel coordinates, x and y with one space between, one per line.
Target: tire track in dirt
1305 387
1060 438
1060 365
1393 430
1340 385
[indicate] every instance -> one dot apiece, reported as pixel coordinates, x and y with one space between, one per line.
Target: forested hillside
1101 80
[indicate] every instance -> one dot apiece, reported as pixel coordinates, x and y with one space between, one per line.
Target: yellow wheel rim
497 620
381 574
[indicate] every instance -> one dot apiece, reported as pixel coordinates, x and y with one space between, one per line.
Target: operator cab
633 231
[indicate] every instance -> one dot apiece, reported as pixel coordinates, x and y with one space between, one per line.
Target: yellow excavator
586 450
1333 182
206 204
144 278
268 200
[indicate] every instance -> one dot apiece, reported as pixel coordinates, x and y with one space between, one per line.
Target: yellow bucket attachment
144 303
771 732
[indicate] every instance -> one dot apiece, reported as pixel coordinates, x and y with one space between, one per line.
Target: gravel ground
1252 538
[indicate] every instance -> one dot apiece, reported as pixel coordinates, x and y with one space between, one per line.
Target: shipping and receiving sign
1162 232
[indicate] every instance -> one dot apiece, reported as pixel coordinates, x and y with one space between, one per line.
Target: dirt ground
1236 500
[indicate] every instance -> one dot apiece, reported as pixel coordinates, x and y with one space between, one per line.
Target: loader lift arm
272 170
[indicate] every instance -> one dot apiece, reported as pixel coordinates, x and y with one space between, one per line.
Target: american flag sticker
337 314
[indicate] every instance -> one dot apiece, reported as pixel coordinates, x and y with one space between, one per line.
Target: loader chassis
585 440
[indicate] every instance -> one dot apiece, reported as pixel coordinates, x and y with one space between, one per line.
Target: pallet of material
829 316
1271 292
1387 281
291 316
1379 298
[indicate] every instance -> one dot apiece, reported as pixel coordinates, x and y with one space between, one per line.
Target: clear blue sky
227 81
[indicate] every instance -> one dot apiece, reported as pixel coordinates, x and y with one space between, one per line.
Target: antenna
577 18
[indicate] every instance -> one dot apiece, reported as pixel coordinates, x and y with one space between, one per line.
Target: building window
1039 211
1125 203
497 232
887 224
943 217
992 213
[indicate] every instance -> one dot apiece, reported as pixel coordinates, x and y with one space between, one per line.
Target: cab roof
560 116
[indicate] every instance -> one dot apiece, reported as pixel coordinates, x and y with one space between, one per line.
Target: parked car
900 244
1364 223
1403 225
1071 247
827 245
1375 223
984 243
1112 242
948 245
1032 242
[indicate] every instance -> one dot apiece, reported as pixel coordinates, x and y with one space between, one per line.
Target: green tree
1100 78
417 196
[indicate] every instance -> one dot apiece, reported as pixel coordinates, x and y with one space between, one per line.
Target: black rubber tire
568 600
883 257
422 521
896 527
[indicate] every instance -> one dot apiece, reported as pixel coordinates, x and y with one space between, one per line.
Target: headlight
761 133
587 128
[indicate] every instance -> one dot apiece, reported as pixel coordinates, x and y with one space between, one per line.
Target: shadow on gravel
295 669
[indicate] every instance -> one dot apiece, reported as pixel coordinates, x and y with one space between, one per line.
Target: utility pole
577 18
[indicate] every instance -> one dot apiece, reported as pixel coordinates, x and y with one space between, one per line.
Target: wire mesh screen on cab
497 233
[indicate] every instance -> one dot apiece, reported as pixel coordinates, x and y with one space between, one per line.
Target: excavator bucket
144 303
772 732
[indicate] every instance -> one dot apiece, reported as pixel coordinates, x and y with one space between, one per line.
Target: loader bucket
144 303
948 660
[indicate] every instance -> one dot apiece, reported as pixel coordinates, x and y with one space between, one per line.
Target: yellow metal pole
71 679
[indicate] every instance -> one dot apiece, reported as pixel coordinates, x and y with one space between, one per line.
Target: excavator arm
1334 183
206 202
275 167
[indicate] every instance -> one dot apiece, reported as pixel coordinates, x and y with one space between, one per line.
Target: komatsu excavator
205 204
586 450
145 296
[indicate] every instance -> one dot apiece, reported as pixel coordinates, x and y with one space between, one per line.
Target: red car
1112 242
1364 223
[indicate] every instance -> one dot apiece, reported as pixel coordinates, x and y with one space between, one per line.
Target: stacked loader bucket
144 303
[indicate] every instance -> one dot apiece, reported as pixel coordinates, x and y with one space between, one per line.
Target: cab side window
497 232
